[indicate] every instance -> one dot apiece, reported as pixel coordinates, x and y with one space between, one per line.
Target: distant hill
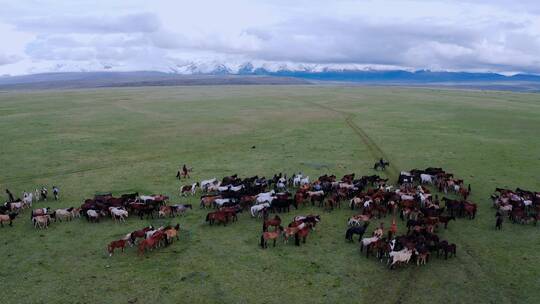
250 75
78 80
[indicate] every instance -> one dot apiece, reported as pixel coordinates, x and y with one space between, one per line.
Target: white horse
405 197
144 198
297 179
426 179
304 181
403 256
266 197
256 209
118 214
205 184
28 198
367 241
218 202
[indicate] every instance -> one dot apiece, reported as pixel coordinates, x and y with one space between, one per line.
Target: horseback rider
185 171
56 192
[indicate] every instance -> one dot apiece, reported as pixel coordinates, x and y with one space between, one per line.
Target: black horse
360 230
283 204
381 165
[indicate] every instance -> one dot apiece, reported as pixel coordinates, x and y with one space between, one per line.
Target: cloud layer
497 35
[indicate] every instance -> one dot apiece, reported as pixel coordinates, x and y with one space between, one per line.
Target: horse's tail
296 239
348 234
208 217
265 227
262 240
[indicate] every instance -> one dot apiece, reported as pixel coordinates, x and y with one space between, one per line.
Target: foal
270 235
116 244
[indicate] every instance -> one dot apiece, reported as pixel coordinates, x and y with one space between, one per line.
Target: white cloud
498 35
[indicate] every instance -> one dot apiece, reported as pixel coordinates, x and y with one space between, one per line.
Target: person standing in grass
498 220
10 196
56 192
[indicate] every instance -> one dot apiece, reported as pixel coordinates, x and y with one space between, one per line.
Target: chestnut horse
217 216
116 244
275 222
272 235
7 218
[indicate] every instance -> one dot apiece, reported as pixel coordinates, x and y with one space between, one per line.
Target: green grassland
133 139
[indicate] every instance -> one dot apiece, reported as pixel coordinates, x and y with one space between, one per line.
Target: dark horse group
519 206
300 228
423 213
150 238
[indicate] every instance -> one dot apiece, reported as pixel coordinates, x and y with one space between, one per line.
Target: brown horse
275 222
149 243
217 216
172 233
4 218
116 244
141 234
301 234
292 230
208 201
272 235
470 209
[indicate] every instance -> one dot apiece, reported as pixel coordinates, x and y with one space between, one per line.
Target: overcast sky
482 35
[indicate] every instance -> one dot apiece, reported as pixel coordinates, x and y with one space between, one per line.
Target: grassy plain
133 139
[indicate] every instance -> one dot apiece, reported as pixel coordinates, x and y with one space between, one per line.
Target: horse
270 235
445 219
360 230
116 244
171 233
256 209
381 165
149 243
92 215
180 209
138 234
219 216
368 243
357 220
63 214
311 220
275 222
283 204
28 197
402 256
41 221
426 178
301 234
189 189
208 201
292 230
448 249
165 211
470 209
118 214
7 217
205 184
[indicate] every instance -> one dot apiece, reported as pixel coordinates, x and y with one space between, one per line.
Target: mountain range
203 73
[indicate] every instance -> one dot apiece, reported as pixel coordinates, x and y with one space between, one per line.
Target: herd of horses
371 197
150 239
519 206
